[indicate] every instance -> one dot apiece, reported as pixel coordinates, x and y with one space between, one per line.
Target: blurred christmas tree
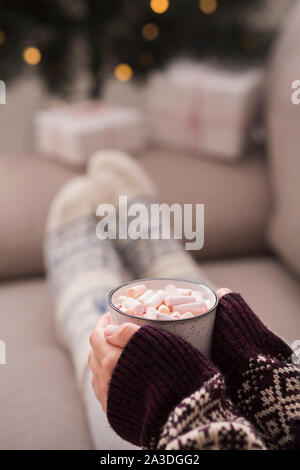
129 37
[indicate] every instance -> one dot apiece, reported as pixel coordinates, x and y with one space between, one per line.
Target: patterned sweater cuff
240 335
154 373
261 378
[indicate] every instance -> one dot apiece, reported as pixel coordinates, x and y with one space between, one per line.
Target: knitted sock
261 379
81 268
145 257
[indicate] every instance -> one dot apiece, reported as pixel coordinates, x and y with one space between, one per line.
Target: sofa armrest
28 185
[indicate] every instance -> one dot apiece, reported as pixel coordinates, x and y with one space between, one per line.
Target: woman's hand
223 291
108 342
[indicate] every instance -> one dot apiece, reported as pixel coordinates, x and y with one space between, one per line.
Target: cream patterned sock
81 268
144 257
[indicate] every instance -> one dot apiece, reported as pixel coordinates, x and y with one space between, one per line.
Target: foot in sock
145 257
260 377
81 268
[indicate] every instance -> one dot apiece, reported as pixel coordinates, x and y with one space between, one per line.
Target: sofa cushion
27 185
236 197
272 292
40 407
284 142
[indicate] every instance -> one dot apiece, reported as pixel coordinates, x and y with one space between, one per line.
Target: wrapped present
205 108
72 133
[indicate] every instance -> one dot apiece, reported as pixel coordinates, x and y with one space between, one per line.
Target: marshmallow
170 288
133 306
198 295
185 291
124 309
151 310
208 304
145 296
156 299
136 291
176 315
151 313
162 316
187 315
196 307
163 309
179 299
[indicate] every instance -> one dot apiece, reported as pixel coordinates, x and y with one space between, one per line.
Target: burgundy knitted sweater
164 394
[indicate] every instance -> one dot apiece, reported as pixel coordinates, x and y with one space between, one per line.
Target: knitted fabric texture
259 374
81 271
152 255
207 420
165 394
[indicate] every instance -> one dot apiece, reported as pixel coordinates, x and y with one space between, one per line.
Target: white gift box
72 133
203 108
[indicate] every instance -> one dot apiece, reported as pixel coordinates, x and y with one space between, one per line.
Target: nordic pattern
82 270
74 248
270 396
207 420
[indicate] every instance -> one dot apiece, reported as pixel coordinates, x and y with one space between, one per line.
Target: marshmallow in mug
168 303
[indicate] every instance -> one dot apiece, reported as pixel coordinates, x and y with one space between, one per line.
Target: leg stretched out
82 269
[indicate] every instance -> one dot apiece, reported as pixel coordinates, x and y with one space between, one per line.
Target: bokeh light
2 37
159 6
150 31
123 72
32 55
208 6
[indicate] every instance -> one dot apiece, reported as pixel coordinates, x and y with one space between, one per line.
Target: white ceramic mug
197 330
